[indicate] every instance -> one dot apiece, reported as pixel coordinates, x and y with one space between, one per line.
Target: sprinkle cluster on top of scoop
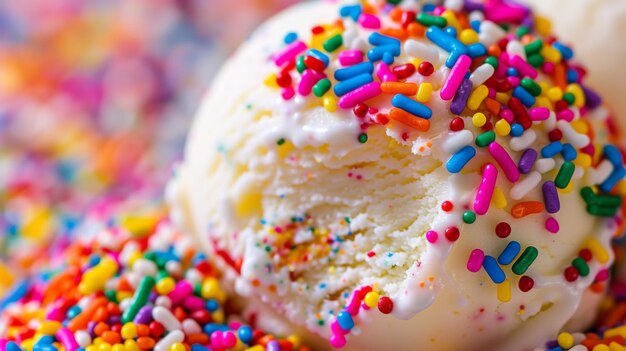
506 80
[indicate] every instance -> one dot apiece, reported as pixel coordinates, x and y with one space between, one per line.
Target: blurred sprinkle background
95 100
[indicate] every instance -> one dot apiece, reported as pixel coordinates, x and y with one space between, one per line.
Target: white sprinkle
191 327
82 338
544 165
579 348
145 267
163 301
514 47
490 33
577 140
481 74
165 317
359 44
524 141
601 172
193 276
125 304
173 268
456 141
550 123
476 16
454 5
169 340
524 186
422 51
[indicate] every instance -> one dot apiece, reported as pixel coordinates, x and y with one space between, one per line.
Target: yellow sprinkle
578 93
6 277
601 347
131 345
452 20
93 348
554 94
477 97
27 344
504 291
498 198
38 224
165 286
503 128
583 160
598 251
551 54
468 36
105 346
97 341
134 257
371 299
295 341
94 279
330 103
129 330
118 347
256 348
424 92
218 316
580 126
565 340
621 331
543 25
122 295
543 102
177 346
503 98
613 346
270 81
621 187
211 289
479 120
49 327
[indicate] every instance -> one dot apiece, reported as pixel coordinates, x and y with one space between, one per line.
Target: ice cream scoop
401 176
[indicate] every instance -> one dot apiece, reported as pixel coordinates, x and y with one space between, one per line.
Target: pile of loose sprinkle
499 56
135 284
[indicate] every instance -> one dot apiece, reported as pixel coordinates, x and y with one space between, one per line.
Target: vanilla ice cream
404 205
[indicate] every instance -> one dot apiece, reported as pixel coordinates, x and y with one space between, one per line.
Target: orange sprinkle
559 77
597 288
199 338
111 337
494 50
265 339
285 345
526 208
145 343
398 33
410 120
396 14
492 106
100 315
80 321
101 328
616 315
399 88
143 330
416 30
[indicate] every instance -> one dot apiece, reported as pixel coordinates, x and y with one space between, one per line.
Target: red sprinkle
503 230
385 305
403 71
555 135
371 254
585 254
156 329
408 17
314 64
571 274
426 68
317 30
452 234
283 79
457 124
382 118
360 110
447 206
526 283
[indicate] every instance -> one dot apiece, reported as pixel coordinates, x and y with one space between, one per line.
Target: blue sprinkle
212 305
198 347
572 75
557 348
475 24
517 130
524 96
290 37
451 31
353 11
44 347
46 340
346 86
245 333
428 8
15 295
476 50
493 269
566 52
323 286
411 106
93 260
319 55
353 71
613 154
569 152
73 312
377 53
448 43
12 346
512 72
551 149
617 175
345 320
509 253
456 163
388 58
211 327
378 39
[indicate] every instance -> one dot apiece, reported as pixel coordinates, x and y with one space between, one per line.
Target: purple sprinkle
273 346
90 328
144 316
114 320
527 161
470 6
153 296
552 344
592 99
551 197
460 99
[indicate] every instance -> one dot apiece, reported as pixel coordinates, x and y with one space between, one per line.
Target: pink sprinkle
523 67
566 114
229 339
439 10
287 93
548 67
370 21
457 73
308 80
353 306
501 71
552 225
539 113
336 328
492 93
193 303
180 292
384 73
432 236
350 57
67 339
216 339
485 189
513 80
507 115
289 53
475 261
366 92
497 11
504 58
602 275
505 161
337 341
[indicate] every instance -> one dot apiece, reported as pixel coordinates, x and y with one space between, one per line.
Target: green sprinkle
588 195
321 87
111 295
569 98
536 60
469 217
430 20
362 138
531 86
197 289
525 260
280 141
565 175
581 266
522 30
602 211
486 138
347 219
333 43
492 60
534 47
300 66
609 200
140 298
